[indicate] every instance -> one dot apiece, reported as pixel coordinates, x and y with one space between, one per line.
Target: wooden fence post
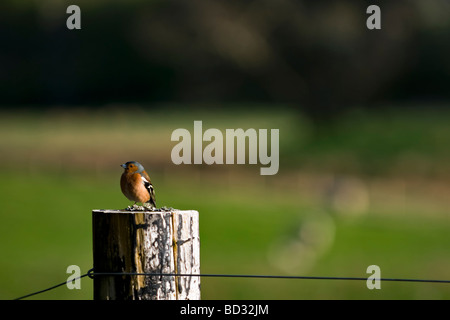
146 242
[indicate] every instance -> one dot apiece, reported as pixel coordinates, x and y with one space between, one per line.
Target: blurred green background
364 133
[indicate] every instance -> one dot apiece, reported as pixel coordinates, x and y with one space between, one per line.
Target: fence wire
92 274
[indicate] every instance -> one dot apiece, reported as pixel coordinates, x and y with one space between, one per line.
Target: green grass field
334 208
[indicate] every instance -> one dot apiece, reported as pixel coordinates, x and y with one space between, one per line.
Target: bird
136 185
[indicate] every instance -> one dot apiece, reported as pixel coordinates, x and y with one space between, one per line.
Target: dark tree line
318 56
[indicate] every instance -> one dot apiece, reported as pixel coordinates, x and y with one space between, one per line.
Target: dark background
317 56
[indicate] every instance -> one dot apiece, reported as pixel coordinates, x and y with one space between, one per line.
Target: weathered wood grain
146 242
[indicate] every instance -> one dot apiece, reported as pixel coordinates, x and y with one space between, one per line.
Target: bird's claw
135 207
147 207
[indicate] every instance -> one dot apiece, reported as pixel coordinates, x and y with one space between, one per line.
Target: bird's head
132 166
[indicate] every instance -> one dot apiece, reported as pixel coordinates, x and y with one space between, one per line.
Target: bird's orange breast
133 188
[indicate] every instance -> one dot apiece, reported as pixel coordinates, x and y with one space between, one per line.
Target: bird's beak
123 166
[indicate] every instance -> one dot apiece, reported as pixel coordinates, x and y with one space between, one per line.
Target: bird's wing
148 185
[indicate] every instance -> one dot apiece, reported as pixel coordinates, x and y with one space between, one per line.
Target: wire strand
91 274
52 287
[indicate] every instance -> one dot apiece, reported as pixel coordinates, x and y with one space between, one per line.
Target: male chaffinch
136 185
